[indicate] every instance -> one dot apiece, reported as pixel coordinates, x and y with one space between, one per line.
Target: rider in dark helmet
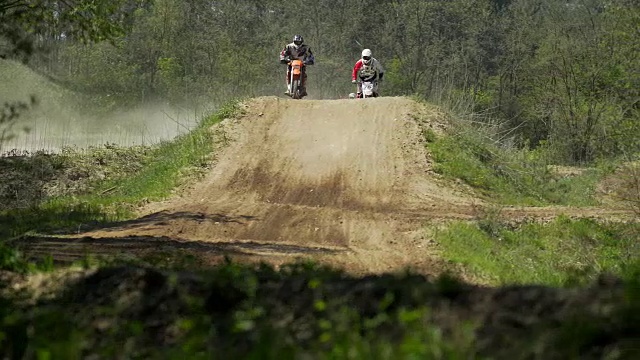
298 40
297 50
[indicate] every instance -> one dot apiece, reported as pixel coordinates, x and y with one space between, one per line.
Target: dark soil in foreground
303 311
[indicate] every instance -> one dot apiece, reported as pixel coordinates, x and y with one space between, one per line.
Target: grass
508 176
114 194
559 253
167 165
161 170
11 259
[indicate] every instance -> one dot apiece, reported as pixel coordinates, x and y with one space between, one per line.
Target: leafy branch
9 113
6 5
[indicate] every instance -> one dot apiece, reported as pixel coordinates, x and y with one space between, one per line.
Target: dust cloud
43 129
59 119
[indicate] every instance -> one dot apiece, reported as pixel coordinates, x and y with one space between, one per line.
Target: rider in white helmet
367 68
297 50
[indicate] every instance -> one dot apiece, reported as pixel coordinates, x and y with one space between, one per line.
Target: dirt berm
346 182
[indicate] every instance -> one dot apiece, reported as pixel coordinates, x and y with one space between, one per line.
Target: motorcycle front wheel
295 89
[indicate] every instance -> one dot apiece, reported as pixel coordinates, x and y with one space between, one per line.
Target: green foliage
9 113
239 312
557 75
168 162
11 259
566 77
397 79
562 252
160 170
26 25
81 20
308 311
510 176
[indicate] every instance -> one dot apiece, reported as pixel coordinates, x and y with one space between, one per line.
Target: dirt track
346 182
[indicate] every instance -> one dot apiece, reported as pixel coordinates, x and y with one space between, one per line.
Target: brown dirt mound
351 178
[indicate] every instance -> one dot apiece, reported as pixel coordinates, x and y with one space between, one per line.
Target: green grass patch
509 176
11 259
562 252
160 169
166 165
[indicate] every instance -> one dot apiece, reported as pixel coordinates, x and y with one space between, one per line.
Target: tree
25 24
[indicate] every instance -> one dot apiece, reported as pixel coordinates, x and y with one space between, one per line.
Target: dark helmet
298 40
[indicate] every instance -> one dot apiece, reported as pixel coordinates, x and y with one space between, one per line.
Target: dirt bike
369 89
367 81
295 79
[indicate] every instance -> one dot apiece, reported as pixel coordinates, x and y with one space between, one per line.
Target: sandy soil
345 182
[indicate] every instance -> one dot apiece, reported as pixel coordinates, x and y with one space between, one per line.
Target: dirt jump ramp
346 182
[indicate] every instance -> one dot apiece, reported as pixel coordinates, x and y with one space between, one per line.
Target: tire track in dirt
348 180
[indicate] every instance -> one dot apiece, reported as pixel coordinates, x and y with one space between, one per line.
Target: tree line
561 74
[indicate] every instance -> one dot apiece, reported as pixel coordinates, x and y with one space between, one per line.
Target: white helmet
366 56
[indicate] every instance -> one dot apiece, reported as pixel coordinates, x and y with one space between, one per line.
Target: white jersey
367 72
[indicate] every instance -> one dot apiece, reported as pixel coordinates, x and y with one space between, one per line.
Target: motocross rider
367 68
297 50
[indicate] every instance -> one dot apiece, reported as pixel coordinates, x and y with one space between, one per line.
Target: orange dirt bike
295 79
